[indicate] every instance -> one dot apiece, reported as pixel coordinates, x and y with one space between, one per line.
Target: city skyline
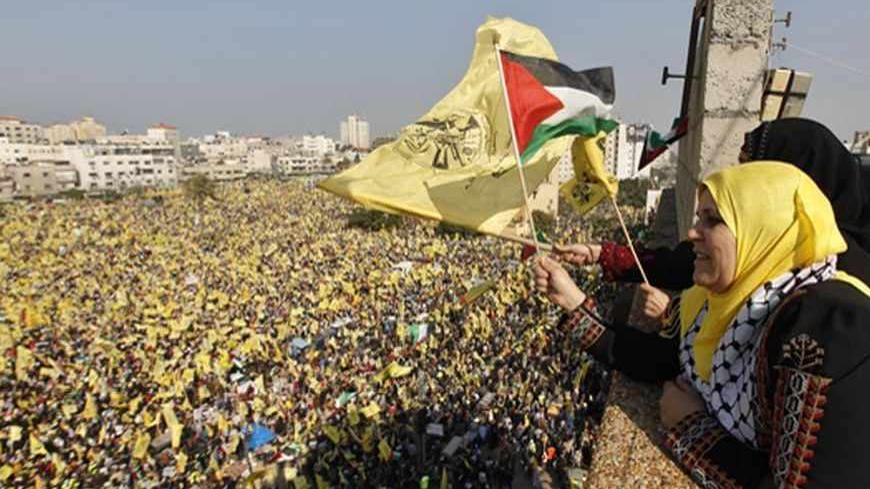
273 69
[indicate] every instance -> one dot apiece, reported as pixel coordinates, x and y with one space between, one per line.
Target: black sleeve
818 349
666 268
813 393
642 356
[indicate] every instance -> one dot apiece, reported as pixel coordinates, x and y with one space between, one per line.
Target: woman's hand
552 279
679 399
655 302
580 254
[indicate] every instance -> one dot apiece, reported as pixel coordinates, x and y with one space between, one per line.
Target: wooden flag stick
526 241
628 238
507 104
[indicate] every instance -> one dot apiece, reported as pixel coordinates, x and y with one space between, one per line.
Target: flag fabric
549 100
258 435
591 182
456 163
419 332
476 291
655 144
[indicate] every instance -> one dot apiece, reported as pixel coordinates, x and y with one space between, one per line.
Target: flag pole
628 239
507 103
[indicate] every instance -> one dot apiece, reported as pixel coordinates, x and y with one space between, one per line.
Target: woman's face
715 247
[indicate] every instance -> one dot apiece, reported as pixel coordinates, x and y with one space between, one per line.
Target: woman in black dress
766 375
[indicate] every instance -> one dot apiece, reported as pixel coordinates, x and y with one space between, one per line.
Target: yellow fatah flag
392 371
23 363
591 182
140 446
384 450
90 410
456 163
36 447
173 425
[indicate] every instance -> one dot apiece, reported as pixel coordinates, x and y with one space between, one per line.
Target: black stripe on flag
597 81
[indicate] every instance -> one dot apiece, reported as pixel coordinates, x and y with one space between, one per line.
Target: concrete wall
725 103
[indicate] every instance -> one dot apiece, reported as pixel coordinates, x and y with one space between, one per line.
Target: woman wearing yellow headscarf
770 355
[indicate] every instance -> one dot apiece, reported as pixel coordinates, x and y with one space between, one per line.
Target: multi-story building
11 153
623 149
117 166
83 130
355 132
40 178
317 145
298 164
16 130
258 161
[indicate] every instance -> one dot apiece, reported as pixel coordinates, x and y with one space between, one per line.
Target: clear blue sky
279 67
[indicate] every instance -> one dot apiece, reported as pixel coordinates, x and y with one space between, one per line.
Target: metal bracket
786 20
666 75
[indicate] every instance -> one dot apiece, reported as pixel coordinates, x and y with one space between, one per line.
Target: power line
827 59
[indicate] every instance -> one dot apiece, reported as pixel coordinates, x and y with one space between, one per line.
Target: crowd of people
160 341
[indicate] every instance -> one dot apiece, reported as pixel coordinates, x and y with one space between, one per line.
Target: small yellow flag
36 447
140 446
172 423
90 410
384 450
591 182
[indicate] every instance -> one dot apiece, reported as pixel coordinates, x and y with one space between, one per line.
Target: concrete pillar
725 101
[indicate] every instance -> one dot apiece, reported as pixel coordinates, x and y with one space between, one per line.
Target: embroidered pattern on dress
799 406
690 441
585 329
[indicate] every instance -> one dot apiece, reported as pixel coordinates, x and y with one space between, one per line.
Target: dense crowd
159 341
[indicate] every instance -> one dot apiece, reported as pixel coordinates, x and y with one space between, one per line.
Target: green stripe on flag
587 126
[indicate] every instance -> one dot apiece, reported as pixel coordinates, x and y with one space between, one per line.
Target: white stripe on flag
576 104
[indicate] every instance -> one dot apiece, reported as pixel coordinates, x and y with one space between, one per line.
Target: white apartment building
11 152
163 132
355 132
220 149
318 145
84 129
121 166
258 161
623 149
17 131
299 165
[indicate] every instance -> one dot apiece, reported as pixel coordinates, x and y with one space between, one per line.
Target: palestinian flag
548 100
655 144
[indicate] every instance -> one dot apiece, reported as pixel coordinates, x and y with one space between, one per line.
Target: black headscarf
814 149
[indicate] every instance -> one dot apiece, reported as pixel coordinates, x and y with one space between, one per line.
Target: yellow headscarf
781 221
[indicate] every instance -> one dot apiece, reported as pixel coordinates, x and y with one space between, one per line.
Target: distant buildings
355 132
16 131
623 149
37 161
83 130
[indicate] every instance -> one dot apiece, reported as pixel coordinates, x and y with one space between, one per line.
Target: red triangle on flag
530 102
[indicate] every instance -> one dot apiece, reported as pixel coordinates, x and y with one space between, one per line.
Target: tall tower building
355 132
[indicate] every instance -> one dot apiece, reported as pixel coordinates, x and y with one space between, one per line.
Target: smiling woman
714 245
771 358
